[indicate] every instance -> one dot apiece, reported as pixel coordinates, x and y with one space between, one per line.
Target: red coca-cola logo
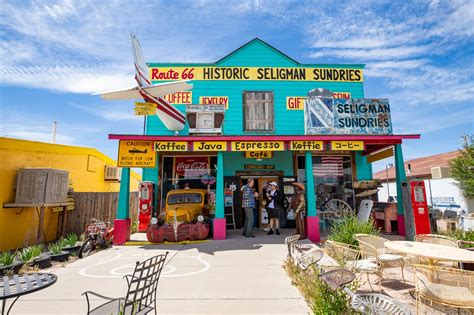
195 165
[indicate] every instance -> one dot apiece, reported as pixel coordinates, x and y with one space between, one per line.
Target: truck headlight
200 218
154 220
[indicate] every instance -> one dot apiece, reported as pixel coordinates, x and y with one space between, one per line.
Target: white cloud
111 112
373 54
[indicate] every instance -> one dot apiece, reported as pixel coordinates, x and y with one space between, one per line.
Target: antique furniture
348 257
446 286
433 253
363 303
437 239
18 285
289 241
385 216
304 261
373 246
141 292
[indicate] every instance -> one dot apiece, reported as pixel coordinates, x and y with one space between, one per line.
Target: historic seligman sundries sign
326 115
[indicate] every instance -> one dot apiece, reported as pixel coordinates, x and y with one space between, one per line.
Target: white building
442 191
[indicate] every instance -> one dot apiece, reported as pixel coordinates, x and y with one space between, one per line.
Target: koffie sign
256 74
326 115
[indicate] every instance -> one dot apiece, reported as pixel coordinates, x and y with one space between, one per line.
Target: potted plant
70 244
9 262
57 253
34 257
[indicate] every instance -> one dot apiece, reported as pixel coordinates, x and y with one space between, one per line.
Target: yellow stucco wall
86 166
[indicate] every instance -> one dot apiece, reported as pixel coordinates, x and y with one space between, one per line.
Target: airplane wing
157 90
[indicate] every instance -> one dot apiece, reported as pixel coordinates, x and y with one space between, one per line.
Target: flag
327 166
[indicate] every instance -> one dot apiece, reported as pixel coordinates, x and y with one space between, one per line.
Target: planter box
42 261
72 250
64 256
15 266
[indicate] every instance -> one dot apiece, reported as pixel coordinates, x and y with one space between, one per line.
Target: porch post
122 221
400 177
312 219
219 220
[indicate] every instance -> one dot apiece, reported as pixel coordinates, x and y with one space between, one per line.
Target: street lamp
388 186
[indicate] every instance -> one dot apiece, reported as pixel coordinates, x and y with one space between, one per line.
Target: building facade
252 122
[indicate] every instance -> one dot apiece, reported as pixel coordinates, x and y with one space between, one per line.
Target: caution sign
134 153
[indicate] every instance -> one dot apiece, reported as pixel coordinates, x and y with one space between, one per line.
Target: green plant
344 230
320 298
461 170
134 228
6 258
71 239
29 253
460 235
56 248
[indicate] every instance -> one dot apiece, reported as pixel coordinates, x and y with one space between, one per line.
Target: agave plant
71 239
56 248
6 258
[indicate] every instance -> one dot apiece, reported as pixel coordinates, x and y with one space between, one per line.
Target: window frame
272 119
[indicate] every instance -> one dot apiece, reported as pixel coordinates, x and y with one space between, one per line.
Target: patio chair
366 303
437 239
141 292
350 258
365 208
446 286
372 246
289 241
312 257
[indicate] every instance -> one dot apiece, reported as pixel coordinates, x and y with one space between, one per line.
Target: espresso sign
258 146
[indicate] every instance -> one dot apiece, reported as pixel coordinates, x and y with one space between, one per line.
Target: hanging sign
144 109
258 146
176 98
256 74
306 145
258 167
297 102
347 145
214 100
170 146
133 153
210 146
191 166
258 155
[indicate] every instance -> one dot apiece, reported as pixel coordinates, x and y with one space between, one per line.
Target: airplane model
171 117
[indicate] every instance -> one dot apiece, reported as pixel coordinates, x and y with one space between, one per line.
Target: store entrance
261 186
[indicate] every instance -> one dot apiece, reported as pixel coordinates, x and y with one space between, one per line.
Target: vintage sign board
214 100
347 145
326 115
136 153
185 97
258 155
297 102
144 109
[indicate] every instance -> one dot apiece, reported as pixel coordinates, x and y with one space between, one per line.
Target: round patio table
431 252
18 285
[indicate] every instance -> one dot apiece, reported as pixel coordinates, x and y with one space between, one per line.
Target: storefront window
333 179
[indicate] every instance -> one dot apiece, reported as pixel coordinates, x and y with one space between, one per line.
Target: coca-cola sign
191 166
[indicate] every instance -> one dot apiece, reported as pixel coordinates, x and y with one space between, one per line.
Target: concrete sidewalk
236 276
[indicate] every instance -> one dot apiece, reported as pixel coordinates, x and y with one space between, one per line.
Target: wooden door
262 189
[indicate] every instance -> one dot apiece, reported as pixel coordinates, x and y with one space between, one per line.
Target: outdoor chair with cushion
372 246
365 303
446 286
141 292
349 257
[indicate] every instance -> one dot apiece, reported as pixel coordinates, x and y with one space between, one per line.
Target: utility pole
55 126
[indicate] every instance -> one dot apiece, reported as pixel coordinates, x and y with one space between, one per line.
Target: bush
56 248
320 298
461 235
344 230
30 253
6 258
71 239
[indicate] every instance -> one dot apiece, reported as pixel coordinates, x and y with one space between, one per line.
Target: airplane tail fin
141 69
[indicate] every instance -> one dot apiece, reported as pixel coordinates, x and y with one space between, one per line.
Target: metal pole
55 125
388 185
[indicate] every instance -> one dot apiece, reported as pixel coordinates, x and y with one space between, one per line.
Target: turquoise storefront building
252 122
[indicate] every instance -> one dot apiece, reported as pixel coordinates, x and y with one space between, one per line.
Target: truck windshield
184 198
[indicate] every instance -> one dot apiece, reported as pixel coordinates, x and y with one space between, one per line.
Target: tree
462 170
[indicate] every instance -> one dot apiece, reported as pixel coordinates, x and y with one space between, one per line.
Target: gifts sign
191 166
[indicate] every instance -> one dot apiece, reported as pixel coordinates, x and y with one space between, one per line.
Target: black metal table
18 285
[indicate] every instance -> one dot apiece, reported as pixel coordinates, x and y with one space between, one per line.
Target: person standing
298 205
248 203
274 205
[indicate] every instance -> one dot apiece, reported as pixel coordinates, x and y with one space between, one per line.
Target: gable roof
420 167
257 40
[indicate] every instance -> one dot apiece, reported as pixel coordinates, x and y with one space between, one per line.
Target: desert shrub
6 258
343 231
29 253
56 248
71 239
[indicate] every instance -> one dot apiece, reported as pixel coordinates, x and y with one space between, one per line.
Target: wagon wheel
340 207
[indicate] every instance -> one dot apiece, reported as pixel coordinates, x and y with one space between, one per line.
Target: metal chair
350 258
437 239
312 257
373 246
364 303
289 241
141 293
446 286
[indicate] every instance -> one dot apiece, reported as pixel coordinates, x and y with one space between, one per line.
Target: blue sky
53 55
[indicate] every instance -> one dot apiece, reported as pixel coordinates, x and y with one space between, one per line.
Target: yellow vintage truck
185 217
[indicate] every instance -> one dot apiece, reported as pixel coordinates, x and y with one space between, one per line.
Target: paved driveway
238 275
